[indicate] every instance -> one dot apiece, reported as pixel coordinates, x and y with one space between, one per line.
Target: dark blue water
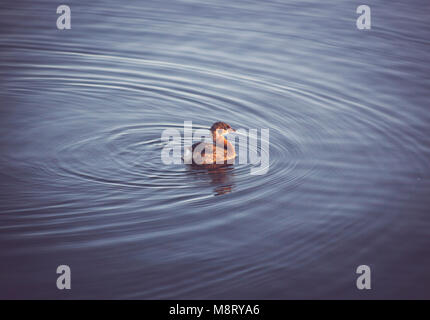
82 182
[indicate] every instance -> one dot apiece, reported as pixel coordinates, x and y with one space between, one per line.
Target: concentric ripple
83 182
121 147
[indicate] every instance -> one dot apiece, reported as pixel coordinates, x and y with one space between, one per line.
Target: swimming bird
217 152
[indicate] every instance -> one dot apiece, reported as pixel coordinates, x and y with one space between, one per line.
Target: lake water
82 182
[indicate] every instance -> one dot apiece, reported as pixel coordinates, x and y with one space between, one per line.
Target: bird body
219 152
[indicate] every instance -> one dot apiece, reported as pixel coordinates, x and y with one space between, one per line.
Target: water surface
82 182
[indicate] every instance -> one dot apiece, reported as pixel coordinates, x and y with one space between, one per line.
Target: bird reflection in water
220 175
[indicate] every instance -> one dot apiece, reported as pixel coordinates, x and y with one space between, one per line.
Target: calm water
82 182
